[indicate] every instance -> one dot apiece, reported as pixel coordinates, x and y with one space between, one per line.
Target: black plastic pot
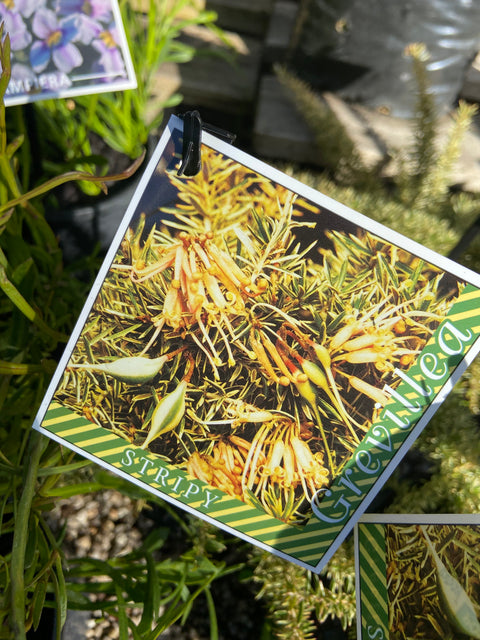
87 223
356 47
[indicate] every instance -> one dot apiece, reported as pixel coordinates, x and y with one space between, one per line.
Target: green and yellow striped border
372 575
112 451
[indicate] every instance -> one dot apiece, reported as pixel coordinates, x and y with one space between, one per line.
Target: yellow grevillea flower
204 278
204 287
224 467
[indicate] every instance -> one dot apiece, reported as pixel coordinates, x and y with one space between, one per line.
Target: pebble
100 527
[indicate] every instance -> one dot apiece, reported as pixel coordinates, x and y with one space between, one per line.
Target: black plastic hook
192 142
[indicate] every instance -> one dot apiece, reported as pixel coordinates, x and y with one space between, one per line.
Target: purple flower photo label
28 7
110 61
63 48
54 42
88 28
23 80
67 57
15 26
13 14
25 8
97 10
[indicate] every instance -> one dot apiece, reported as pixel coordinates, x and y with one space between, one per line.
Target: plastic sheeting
362 42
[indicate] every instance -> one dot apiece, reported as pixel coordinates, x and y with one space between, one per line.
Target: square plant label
417 576
65 48
258 353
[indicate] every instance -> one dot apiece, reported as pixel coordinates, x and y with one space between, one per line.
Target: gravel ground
108 525
100 526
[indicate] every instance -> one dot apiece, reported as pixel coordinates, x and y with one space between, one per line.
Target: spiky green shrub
419 203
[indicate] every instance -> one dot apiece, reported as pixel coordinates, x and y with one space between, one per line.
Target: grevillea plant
430 566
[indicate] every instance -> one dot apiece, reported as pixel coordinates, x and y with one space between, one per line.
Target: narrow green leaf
212 614
31 546
37 445
70 177
63 469
19 369
174 613
152 596
60 595
19 301
21 270
14 145
341 276
73 490
38 601
391 273
121 614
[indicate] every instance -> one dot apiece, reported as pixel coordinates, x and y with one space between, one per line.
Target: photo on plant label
433 581
249 337
65 48
256 353
417 576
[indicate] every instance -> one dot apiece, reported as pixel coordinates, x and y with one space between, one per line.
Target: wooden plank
280 30
242 16
220 78
281 133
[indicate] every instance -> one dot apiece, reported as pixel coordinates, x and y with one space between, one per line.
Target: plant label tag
257 353
417 576
65 48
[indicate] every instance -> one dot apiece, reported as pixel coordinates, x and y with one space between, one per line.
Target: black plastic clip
192 142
